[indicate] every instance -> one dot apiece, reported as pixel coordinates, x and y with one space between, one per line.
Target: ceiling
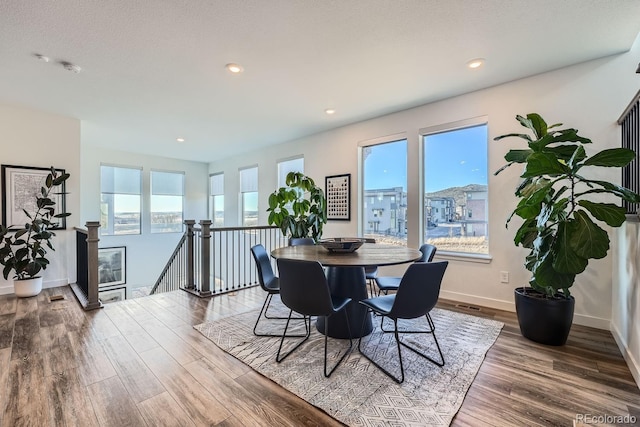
153 71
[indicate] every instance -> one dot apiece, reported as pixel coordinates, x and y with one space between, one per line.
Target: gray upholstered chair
417 295
304 289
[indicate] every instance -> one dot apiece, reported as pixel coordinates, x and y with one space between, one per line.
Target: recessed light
42 57
330 111
234 68
180 139
475 63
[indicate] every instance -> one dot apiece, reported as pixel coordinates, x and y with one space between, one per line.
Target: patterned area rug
357 393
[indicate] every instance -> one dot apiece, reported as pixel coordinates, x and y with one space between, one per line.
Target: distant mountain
457 192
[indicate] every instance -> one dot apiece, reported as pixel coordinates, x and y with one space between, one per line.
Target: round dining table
346 278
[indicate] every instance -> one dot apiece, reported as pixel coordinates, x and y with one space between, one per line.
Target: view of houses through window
385 192
455 182
167 200
120 200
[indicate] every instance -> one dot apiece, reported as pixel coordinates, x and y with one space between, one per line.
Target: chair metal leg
399 343
284 335
432 327
389 374
263 312
346 352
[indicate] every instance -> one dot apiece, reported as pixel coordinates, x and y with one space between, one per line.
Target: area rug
357 393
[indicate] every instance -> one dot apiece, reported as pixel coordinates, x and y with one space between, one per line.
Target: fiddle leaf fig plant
559 203
23 250
299 209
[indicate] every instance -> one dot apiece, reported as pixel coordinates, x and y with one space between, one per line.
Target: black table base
347 282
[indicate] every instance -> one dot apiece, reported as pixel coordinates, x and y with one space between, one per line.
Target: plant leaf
539 164
613 157
586 238
613 215
565 259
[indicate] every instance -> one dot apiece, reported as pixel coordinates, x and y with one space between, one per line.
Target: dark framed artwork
338 193
20 186
112 266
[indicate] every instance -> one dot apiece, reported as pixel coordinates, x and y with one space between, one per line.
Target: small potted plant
24 250
299 209
560 208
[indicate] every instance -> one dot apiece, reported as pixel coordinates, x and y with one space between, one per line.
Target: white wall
36 138
588 96
625 316
147 253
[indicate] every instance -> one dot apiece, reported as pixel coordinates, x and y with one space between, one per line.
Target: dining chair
417 295
388 283
304 289
370 272
301 241
271 285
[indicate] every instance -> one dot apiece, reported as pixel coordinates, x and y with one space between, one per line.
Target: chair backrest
428 252
304 287
419 290
265 272
301 241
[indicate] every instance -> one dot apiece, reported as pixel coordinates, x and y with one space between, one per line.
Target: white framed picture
112 266
112 295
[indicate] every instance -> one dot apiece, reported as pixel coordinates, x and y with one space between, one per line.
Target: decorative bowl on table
341 244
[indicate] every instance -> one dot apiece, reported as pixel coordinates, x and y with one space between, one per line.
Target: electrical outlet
504 277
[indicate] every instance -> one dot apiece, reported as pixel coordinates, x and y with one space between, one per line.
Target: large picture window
249 196
216 199
456 202
167 201
120 201
385 192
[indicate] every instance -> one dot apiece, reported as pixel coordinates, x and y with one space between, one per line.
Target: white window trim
184 184
448 127
401 136
111 229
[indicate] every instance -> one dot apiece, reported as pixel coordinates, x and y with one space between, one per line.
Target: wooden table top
369 254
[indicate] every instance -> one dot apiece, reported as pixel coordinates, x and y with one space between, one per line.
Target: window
120 201
456 202
216 199
385 192
249 196
167 201
286 166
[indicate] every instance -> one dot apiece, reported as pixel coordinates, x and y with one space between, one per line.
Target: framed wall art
20 186
112 266
338 193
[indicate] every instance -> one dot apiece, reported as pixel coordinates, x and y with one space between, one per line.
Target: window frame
212 197
182 198
444 128
362 145
242 194
110 230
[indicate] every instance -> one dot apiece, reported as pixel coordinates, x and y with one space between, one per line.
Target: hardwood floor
140 363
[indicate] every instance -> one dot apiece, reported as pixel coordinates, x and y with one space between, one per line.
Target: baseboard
578 319
633 365
476 300
6 290
592 322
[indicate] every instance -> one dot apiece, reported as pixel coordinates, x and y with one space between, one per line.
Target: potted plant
24 250
560 208
299 209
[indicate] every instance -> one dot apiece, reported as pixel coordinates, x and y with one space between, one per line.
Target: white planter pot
27 287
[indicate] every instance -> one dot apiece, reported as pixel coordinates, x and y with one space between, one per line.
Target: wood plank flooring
140 363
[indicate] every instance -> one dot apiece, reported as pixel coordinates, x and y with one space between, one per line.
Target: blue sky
452 159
